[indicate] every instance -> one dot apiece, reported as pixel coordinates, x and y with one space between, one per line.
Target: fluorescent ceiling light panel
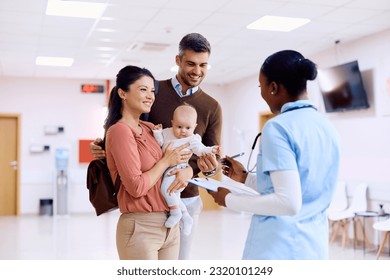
274 23
54 61
74 9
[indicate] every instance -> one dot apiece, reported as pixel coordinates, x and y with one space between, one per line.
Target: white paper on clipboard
212 185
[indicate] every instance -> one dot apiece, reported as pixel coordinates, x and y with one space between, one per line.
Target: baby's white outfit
164 137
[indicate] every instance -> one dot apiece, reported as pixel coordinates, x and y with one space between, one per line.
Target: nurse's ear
274 87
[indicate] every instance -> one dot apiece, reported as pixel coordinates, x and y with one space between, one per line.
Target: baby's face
183 126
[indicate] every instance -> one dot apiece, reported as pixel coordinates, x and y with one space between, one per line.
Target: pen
234 156
238 155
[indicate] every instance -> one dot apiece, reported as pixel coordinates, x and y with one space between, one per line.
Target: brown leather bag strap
117 183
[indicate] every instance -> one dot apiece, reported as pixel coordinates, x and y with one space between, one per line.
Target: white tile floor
220 236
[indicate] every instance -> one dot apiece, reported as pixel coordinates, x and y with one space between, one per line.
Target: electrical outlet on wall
52 129
34 148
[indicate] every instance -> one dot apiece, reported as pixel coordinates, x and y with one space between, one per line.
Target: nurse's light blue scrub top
304 140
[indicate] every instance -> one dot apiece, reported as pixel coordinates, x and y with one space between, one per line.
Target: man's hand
96 149
207 163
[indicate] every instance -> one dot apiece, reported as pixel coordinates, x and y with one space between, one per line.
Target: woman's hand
233 169
176 156
220 196
170 158
96 149
182 175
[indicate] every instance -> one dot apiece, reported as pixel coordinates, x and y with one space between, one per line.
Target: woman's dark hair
194 42
125 77
290 69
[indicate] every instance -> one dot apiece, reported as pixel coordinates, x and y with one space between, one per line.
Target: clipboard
212 185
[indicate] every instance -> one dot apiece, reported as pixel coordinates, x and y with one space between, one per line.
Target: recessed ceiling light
175 68
74 9
105 30
105 55
105 49
107 40
108 18
54 61
275 23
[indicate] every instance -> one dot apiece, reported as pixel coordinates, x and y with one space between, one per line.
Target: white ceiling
148 32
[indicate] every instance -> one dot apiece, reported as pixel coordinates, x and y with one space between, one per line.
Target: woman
297 168
134 154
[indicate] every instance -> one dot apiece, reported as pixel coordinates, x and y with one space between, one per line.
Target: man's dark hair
194 42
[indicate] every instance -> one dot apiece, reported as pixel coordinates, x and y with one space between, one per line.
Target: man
192 61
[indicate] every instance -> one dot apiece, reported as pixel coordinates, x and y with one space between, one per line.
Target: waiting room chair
339 203
340 200
385 227
341 219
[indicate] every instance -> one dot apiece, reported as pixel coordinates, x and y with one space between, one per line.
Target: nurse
297 168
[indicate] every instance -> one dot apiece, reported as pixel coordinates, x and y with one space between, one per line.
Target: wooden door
263 118
207 199
9 159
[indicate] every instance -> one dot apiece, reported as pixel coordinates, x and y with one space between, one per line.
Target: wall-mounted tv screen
342 88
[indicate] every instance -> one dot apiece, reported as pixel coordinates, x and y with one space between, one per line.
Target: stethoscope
251 170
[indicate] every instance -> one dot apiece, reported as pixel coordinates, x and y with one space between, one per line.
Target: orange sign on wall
85 155
92 88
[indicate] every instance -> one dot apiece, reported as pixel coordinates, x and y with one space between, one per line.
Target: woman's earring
272 92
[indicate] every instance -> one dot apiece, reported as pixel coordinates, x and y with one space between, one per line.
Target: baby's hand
217 150
157 126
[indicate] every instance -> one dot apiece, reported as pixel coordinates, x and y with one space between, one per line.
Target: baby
182 131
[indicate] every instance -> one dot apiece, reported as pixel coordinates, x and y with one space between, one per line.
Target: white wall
56 102
365 134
